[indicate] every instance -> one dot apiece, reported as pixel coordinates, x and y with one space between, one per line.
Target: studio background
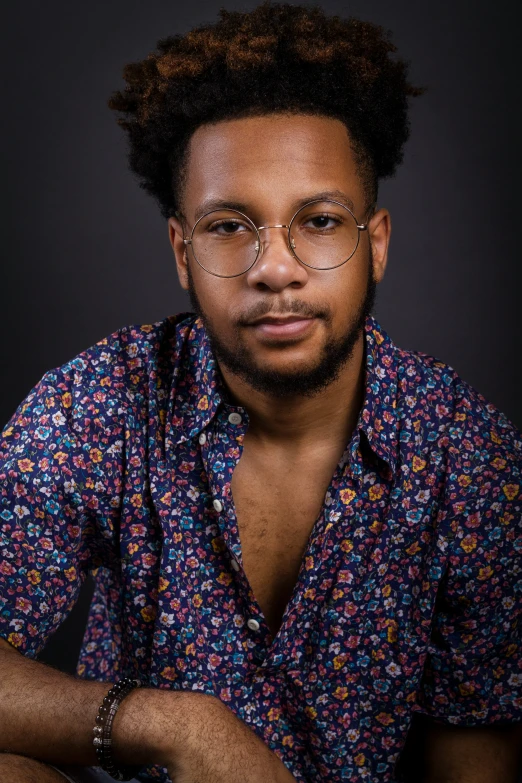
85 251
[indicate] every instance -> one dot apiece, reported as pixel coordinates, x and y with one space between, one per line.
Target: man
302 536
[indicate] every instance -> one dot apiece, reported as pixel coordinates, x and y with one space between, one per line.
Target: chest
276 509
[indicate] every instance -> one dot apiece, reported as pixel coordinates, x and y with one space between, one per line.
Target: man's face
266 164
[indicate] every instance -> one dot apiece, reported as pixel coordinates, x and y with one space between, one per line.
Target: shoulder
446 406
128 354
118 369
90 392
476 453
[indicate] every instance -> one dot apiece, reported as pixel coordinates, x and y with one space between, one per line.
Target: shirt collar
198 389
378 418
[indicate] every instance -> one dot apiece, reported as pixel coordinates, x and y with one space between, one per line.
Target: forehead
270 160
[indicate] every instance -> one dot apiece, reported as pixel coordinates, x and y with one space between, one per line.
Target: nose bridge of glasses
276 225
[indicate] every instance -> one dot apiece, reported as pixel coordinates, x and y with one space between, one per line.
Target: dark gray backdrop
85 251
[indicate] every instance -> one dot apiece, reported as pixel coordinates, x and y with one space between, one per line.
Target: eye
321 222
230 227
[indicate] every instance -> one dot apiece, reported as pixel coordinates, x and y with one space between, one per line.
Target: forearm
446 753
49 715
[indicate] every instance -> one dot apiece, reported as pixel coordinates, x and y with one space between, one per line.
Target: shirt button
218 505
234 564
253 624
235 418
202 438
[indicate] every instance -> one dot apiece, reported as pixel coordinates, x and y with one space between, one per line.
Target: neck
298 422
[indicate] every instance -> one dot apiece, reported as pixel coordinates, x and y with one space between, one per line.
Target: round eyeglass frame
260 245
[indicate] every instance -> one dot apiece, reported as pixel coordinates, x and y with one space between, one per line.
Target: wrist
153 726
102 730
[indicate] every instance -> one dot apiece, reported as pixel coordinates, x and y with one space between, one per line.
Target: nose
276 266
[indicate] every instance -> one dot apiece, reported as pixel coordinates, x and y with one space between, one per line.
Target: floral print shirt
119 463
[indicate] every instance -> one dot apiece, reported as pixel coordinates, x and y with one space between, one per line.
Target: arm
472 754
49 715
438 752
470 691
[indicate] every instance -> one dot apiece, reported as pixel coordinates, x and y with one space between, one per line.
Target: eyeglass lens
324 235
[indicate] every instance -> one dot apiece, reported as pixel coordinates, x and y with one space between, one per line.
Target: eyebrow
209 205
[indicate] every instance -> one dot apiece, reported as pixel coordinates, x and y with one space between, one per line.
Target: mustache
296 307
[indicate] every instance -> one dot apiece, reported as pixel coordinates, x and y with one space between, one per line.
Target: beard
305 382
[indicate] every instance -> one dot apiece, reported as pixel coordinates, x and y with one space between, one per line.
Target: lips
283 327
274 319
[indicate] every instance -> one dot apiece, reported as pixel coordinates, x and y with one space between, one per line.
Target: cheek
216 298
346 288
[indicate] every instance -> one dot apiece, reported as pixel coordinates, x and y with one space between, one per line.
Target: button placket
230 429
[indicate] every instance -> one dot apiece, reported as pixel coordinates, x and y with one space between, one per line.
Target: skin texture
266 163
48 715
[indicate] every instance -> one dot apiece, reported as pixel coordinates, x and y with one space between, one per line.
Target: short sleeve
59 496
473 670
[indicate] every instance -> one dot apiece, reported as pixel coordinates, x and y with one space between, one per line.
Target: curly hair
277 58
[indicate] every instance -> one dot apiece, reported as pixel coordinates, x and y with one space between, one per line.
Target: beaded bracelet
102 730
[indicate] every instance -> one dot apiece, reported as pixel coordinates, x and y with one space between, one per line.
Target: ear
176 234
379 232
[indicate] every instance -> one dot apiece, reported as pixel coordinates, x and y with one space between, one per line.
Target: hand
220 748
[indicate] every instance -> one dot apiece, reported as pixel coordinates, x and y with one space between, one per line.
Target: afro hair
277 58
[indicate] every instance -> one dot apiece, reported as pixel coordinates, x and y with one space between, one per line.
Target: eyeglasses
321 235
